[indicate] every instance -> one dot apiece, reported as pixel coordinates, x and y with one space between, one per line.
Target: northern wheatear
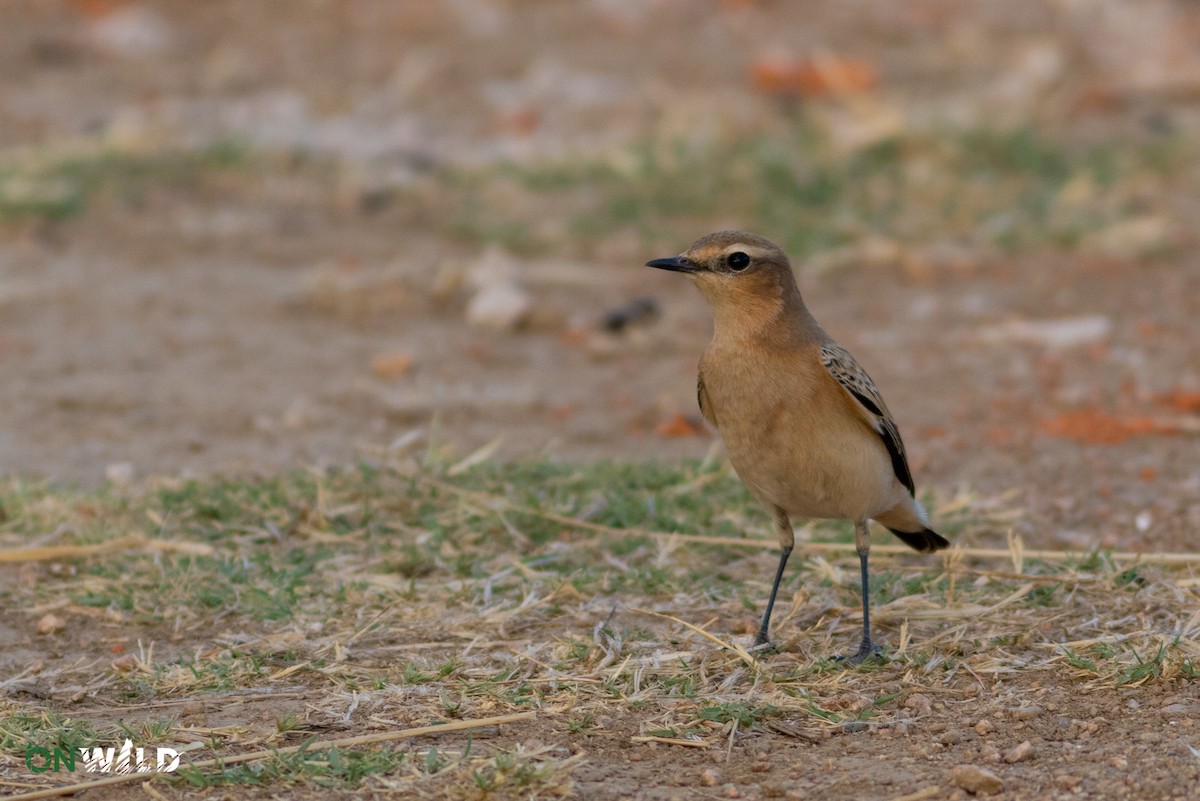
804 426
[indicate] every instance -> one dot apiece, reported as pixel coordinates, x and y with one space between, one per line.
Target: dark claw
866 650
764 647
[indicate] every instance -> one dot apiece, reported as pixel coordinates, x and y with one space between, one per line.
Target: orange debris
391 365
812 77
1180 400
678 426
1099 428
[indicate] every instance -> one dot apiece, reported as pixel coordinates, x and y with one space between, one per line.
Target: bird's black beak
677 264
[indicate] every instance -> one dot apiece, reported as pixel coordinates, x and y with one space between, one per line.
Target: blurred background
246 237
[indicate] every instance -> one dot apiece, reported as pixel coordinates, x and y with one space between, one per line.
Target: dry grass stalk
734 648
56 552
669 741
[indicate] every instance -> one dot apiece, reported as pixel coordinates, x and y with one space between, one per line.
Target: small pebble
124 664
1027 712
1068 781
709 777
984 726
919 703
500 307
27 574
975 780
731 792
1019 752
120 473
949 737
50 623
639 310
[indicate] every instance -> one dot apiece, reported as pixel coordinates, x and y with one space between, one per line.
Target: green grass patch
54 187
1006 190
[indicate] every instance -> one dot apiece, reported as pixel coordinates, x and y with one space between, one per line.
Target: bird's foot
763 646
866 650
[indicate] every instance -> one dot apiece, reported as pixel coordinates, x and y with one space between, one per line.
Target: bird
804 427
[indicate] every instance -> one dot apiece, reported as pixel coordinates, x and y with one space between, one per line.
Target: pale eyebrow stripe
750 250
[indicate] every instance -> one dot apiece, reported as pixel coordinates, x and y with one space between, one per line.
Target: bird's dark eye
737 261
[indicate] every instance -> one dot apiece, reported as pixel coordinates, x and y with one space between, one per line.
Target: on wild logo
103 760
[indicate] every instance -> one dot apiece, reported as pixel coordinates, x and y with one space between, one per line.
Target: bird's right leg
787 539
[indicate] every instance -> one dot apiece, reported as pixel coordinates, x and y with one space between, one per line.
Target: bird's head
740 273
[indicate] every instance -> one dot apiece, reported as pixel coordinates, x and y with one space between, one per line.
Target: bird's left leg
862 544
787 539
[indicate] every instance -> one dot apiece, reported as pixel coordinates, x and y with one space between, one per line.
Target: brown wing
854 379
706 409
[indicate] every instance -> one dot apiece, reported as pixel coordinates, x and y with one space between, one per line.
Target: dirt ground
287 311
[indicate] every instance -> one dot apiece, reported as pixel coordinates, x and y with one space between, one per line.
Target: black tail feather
924 540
